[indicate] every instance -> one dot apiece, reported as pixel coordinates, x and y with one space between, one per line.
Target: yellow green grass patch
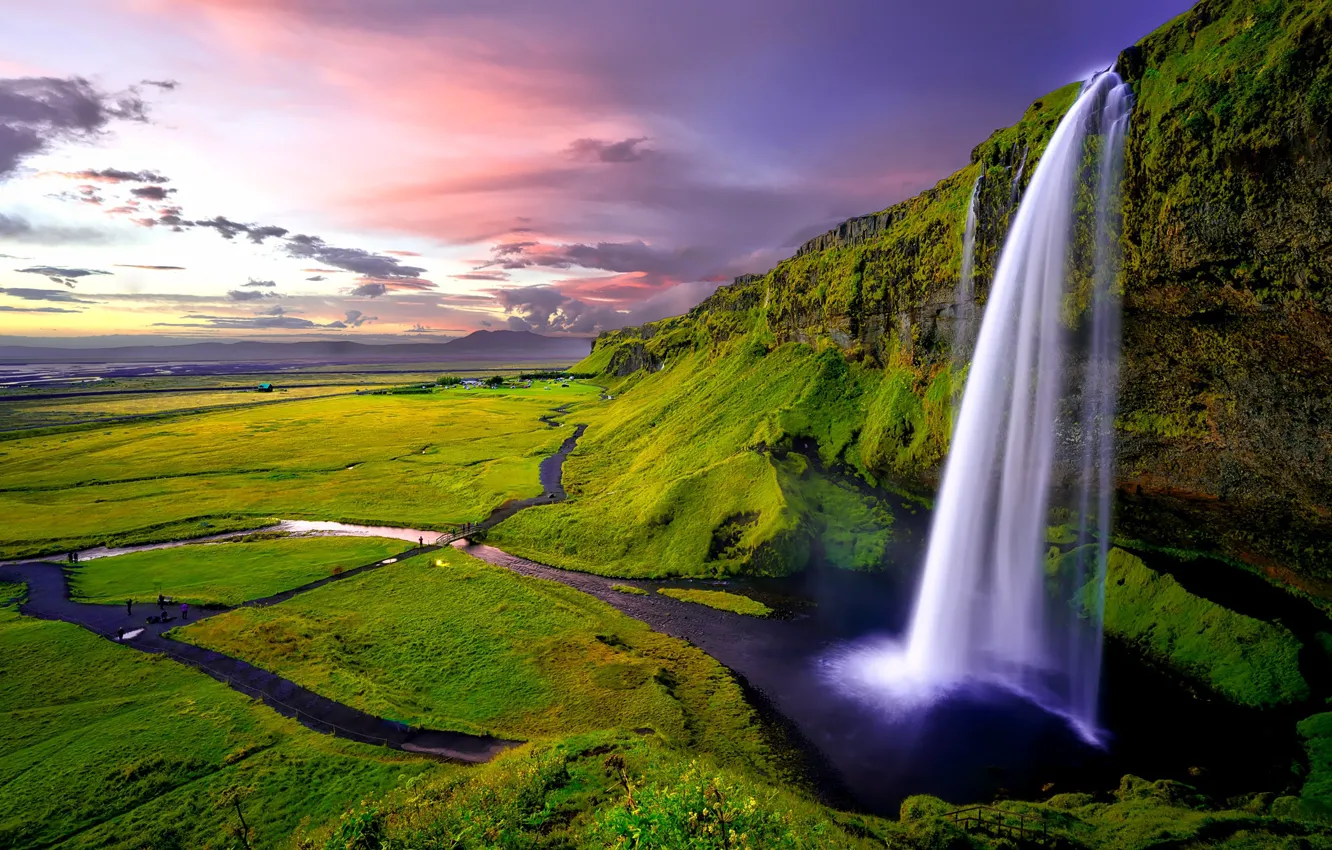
719 599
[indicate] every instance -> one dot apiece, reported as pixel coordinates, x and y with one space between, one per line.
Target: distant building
264 388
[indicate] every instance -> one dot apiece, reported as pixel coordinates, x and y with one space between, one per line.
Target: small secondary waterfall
987 608
964 296
1017 178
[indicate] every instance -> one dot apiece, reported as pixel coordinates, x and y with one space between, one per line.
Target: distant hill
491 346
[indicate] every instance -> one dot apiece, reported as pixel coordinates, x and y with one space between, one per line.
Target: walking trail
48 598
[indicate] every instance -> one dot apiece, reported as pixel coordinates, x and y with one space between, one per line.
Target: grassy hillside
842 350
623 791
692 469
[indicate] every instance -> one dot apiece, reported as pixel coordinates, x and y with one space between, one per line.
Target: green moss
1317 791
719 599
1247 660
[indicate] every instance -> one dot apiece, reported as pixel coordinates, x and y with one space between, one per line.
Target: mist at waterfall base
992 620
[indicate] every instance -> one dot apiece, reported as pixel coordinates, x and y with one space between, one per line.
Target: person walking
420 543
129 607
120 633
161 602
184 610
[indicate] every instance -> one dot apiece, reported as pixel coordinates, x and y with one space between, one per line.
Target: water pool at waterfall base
880 671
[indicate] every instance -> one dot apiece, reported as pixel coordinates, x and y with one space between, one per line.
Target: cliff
1227 358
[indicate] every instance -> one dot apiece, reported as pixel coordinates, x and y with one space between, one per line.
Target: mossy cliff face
1226 394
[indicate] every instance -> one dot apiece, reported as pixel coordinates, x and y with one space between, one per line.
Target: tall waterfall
987 609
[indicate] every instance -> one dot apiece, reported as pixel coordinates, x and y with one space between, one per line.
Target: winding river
973 744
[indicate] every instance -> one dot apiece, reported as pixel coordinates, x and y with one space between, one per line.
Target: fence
998 823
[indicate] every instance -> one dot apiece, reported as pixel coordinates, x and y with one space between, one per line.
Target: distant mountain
489 346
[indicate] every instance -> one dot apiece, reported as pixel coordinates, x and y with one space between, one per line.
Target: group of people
164 617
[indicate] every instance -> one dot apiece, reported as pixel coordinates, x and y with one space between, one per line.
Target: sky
409 169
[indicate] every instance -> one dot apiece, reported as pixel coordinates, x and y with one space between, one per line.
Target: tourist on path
129 607
120 633
161 602
184 610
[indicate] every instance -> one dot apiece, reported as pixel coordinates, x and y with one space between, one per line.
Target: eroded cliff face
1225 424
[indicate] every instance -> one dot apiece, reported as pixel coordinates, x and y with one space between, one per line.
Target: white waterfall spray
987 610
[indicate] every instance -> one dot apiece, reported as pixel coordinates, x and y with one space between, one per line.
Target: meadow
426 460
104 747
50 413
225 573
446 641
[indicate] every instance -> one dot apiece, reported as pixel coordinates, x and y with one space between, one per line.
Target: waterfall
986 609
964 296
1017 177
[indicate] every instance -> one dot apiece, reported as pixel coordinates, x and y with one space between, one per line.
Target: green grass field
55 412
719 599
105 747
476 648
413 460
226 573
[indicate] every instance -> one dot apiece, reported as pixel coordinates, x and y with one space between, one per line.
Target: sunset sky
401 169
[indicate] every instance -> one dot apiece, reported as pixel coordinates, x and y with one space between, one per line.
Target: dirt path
48 599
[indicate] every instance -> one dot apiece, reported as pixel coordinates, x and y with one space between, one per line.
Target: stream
975 743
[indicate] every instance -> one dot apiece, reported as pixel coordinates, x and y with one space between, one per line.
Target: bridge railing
1000 823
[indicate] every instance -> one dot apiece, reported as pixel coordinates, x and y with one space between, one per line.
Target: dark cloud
349 259
60 271
370 290
264 283
164 85
242 322
490 276
419 329
546 309
597 150
657 265
355 318
7 309
228 229
115 175
275 310
249 295
19 229
317 278
43 295
39 112
150 268
151 193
